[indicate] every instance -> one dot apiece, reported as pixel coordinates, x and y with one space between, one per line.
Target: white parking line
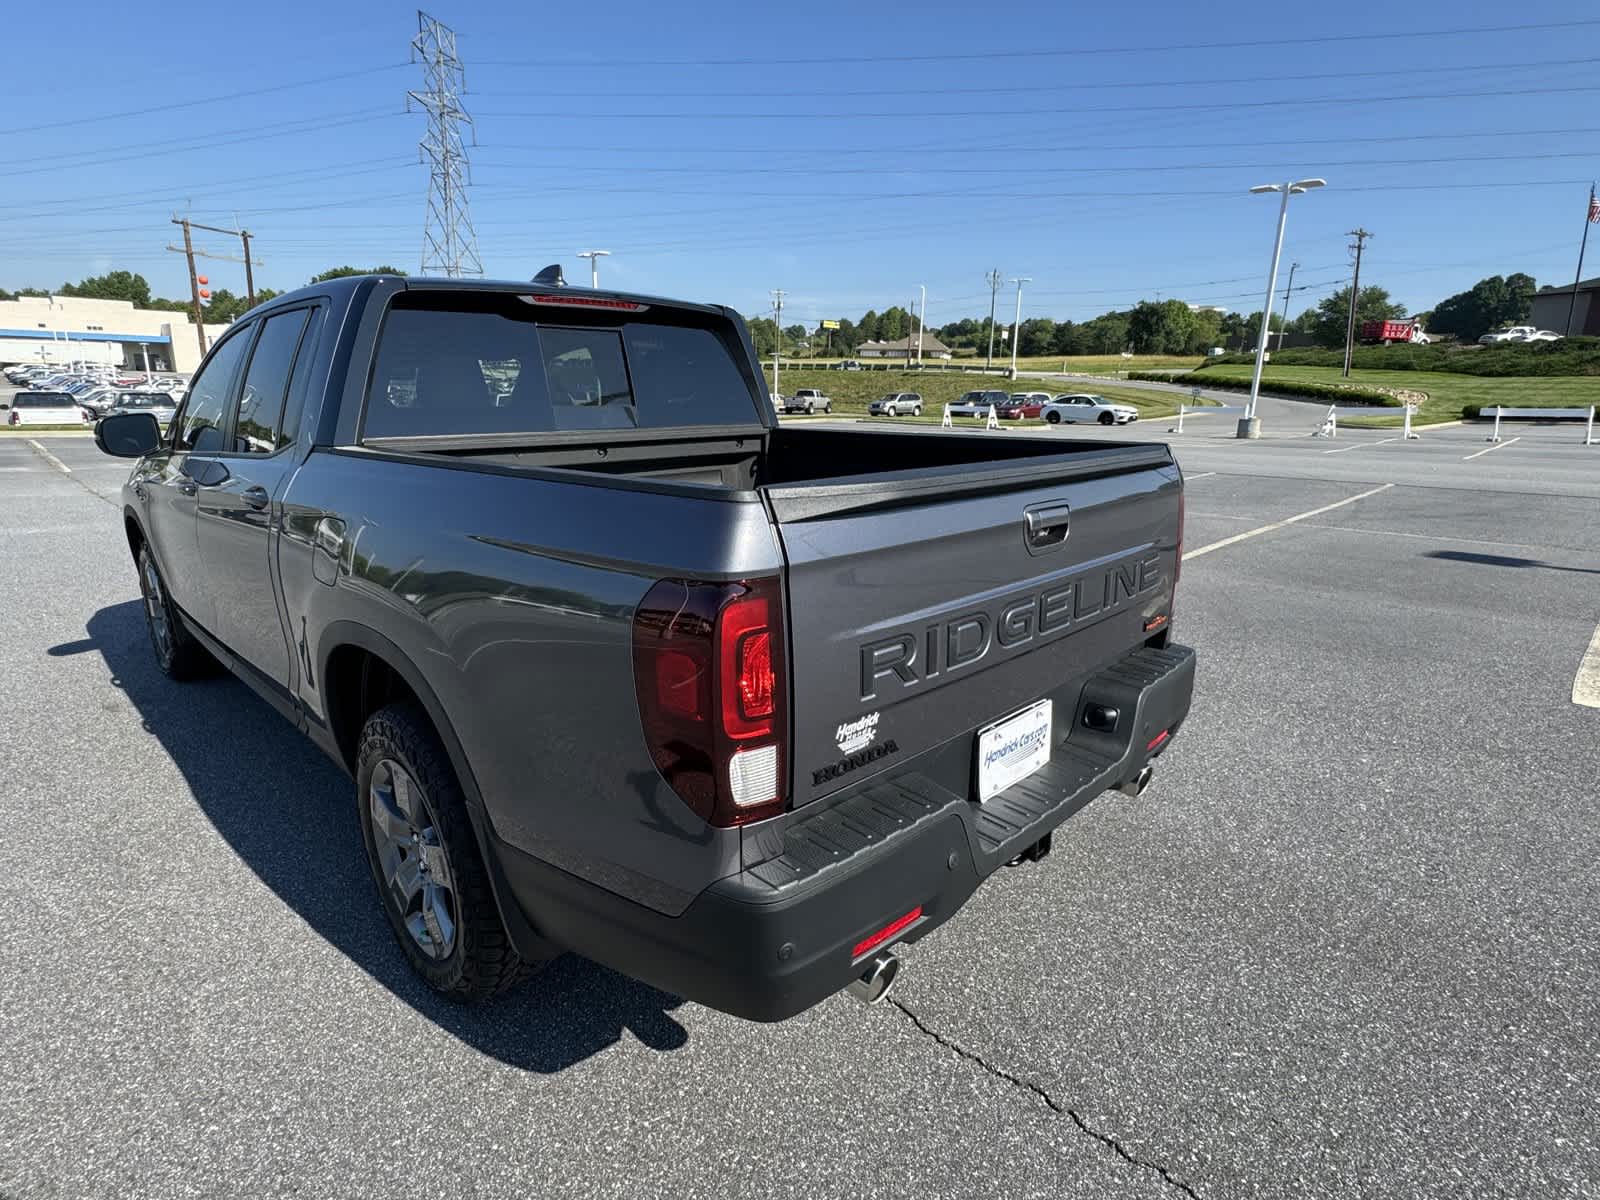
50 458
1486 449
1361 446
1586 686
1250 533
1202 475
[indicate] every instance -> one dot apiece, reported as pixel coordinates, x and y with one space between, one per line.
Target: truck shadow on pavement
287 812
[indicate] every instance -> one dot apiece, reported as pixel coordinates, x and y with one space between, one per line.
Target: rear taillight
708 662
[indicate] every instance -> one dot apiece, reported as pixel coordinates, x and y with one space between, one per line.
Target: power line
1204 81
1072 52
155 108
991 114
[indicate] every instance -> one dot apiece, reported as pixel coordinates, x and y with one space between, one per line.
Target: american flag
1594 208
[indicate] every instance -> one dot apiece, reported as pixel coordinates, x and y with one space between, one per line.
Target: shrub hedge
1283 387
1570 356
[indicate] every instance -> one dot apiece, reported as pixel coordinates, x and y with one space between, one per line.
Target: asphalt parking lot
1347 945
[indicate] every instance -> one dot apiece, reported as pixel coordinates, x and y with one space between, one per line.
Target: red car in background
1023 405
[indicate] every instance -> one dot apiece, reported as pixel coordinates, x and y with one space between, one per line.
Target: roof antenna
551 276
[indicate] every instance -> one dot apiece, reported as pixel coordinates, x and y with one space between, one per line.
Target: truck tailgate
927 606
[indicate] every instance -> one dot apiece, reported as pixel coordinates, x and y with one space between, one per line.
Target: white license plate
1013 749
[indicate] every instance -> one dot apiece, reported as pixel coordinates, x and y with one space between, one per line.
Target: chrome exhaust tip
1137 785
876 980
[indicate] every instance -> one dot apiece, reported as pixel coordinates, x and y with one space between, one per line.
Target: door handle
188 487
256 497
1047 525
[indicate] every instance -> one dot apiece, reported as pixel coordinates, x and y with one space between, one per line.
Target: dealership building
67 329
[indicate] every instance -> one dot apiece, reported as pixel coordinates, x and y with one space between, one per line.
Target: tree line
1149 327
222 308
1169 326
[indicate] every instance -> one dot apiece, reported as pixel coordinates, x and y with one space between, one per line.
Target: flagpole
1582 246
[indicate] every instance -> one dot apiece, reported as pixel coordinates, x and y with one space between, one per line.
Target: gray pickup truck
619 665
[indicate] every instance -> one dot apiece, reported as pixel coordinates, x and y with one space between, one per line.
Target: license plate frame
997 767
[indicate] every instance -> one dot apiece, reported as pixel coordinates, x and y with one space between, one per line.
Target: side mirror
127 435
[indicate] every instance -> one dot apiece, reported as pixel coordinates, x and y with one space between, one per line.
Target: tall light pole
777 327
594 257
1250 424
1016 325
922 320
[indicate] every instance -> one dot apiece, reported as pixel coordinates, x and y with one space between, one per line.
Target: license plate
1013 749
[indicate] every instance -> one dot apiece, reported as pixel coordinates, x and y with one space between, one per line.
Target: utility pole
249 275
1361 236
449 242
1283 330
994 286
777 328
1016 325
194 284
594 257
188 250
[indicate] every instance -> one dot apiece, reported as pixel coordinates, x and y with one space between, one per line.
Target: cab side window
201 427
258 425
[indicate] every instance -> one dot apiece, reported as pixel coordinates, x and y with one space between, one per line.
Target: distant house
1550 306
932 347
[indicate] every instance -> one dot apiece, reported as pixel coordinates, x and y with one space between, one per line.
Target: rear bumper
778 937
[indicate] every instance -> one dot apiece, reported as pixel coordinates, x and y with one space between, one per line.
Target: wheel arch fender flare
341 633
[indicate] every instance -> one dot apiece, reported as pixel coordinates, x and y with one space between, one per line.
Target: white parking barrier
994 420
1535 414
947 423
1206 410
1330 422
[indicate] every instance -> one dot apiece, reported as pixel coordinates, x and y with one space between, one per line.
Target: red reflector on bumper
1155 623
1157 740
887 932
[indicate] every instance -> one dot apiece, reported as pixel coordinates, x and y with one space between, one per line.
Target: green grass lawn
852 391
1447 393
30 430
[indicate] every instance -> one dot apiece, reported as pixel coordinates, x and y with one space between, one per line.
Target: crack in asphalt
41 452
1050 1101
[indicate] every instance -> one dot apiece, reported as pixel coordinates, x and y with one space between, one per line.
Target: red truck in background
1393 331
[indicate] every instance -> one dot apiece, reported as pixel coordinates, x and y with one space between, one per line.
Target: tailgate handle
1047 525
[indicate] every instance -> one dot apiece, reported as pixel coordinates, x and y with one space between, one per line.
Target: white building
63 329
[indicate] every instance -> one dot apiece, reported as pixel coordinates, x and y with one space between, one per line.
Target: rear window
494 363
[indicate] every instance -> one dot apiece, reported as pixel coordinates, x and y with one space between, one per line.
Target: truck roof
346 284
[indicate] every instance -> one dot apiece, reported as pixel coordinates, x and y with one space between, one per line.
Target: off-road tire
482 962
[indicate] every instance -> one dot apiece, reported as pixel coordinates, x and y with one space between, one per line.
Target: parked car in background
1517 333
43 408
850 364
159 405
1542 335
1020 405
807 400
978 404
98 401
1083 407
895 404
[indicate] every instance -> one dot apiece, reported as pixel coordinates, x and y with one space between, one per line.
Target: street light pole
1250 424
594 257
922 321
1016 325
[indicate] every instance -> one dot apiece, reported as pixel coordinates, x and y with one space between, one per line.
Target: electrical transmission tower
449 243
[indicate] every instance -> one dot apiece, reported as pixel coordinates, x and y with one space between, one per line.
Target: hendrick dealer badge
1013 749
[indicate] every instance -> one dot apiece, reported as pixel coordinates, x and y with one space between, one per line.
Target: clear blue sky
846 154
